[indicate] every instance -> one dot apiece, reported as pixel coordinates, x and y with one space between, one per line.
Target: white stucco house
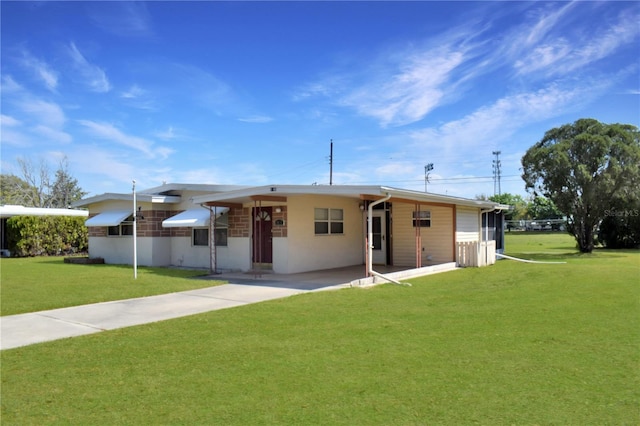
292 228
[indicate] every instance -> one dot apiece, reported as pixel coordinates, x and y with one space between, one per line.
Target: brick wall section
239 222
150 226
276 230
97 231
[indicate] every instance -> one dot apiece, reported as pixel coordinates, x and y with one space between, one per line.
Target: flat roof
246 195
10 210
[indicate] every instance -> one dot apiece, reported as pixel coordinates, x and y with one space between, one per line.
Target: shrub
46 235
620 229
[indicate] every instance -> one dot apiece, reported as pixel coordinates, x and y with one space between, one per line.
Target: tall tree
38 182
35 187
543 208
13 190
517 203
65 188
585 168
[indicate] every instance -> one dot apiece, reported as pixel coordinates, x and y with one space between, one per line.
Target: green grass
40 283
514 343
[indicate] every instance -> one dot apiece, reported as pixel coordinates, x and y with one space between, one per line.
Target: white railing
468 254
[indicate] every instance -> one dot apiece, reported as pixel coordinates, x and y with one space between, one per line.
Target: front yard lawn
509 344
41 283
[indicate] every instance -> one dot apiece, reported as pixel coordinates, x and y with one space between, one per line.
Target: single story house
292 228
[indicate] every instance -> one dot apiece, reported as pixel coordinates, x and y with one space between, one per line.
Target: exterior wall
183 253
305 251
237 256
115 250
467 227
153 243
437 241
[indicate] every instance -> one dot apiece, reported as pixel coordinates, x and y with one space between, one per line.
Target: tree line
39 187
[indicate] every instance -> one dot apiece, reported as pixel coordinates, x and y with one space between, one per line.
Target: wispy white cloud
53 135
139 98
112 134
402 85
47 113
107 171
92 75
134 92
256 119
204 87
8 121
493 124
545 51
9 85
14 137
124 19
413 90
40 69
167 134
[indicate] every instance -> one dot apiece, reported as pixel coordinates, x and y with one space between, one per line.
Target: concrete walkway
44 326
26 329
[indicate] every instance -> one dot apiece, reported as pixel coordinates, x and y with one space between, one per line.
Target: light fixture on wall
361 207
278 210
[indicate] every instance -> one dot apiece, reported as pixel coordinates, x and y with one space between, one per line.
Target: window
220 237
329 221
221 230
422 219
124 228
200 237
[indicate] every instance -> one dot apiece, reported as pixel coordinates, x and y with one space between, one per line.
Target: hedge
46 235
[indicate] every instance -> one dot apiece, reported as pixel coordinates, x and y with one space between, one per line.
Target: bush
620 229
46 235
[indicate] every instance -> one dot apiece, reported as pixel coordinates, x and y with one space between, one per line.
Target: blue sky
251 93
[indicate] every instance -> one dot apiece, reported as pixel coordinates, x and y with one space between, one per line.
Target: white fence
468 254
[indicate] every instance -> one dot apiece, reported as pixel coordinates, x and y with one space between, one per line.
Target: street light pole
135 235
427 169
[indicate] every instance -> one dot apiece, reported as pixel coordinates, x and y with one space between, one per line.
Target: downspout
212 252
370 270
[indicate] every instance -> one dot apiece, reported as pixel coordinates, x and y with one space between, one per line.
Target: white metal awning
190 218
112 218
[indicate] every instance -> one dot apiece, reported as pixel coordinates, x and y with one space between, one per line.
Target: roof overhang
110 218
13 210
279 193
140 197
195 187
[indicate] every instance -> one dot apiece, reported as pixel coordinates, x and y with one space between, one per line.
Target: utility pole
427 169
331 164
496 173
135 234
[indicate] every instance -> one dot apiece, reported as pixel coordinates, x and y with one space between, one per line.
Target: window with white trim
422 219
328 221
125 228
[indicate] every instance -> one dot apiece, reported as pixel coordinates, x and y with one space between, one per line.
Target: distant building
9 210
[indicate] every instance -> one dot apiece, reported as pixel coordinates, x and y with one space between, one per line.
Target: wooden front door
262 238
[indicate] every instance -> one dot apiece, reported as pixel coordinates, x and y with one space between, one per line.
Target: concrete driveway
37 327
243 289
